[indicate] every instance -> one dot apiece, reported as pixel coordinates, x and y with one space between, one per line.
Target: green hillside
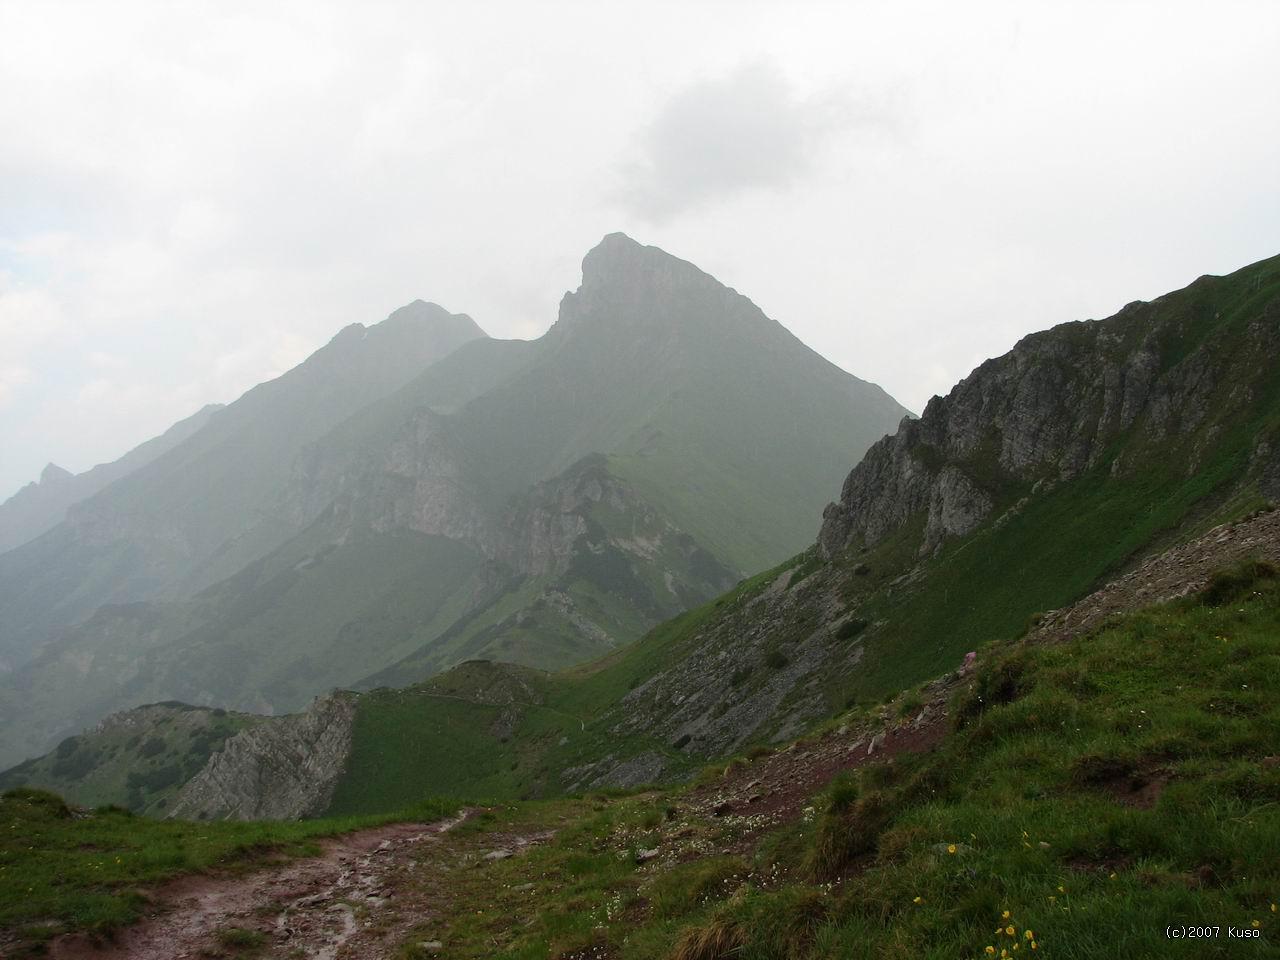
1089 795
135 761
805 640
63 869
1079 798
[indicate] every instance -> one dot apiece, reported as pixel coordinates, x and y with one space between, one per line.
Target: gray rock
281 769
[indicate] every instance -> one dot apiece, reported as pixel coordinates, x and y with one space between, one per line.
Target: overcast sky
194 197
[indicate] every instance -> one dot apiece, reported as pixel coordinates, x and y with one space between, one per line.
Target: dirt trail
352 902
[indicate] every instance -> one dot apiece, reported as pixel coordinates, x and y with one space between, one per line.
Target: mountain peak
52 473
431 316
618 258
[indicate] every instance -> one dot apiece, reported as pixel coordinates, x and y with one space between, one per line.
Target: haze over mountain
1046 473
416 494
203 508
42 504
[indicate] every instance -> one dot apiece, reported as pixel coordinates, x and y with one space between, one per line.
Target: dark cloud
718 138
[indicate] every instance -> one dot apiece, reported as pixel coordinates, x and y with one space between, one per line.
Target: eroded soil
355 901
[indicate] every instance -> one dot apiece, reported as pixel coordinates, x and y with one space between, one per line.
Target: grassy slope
1065 543
1054 549
435 738
138 763
1036 792
1097 790
61 870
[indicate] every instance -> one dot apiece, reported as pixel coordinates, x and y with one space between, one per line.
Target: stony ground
1175 573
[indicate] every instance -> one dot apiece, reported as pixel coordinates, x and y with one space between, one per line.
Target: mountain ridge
40 505
650 459
198 511
849 620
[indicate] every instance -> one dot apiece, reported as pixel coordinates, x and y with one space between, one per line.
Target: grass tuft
1237 582
715 940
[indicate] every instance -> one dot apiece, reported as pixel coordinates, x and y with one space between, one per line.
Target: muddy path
355 901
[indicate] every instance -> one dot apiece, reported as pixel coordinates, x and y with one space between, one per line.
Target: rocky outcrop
1151 397
1156 376
1268 456
755 669
646 767
1182 570
551 527
282 769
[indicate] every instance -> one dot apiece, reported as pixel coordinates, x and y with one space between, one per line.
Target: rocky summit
416 495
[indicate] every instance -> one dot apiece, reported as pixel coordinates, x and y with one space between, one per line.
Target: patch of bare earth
355 901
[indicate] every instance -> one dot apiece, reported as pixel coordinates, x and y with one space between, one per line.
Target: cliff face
282 769
137 758
1157 379
588 509
1044 473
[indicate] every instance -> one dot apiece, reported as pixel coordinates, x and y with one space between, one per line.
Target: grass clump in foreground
63 869
1090 795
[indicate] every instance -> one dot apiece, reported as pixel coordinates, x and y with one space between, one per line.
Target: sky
193 197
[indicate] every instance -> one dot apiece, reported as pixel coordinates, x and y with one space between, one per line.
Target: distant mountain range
416 494
41 505
1046 473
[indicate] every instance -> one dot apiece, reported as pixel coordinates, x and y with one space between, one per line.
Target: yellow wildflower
1010 930
991 951
951 848
1005 915
1255 924
918 900
1034 945
1028 934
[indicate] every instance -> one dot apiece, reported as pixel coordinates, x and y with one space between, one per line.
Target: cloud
719 138
12 377
195 196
